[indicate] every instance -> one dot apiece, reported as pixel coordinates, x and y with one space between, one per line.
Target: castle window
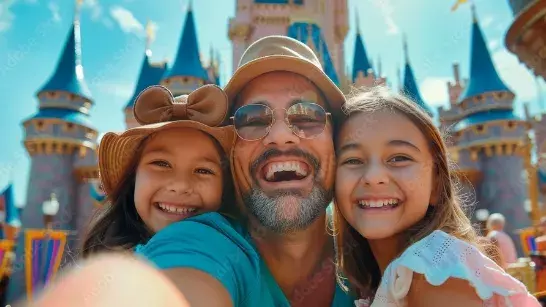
499 96
68 127
185 80
40 125
511 125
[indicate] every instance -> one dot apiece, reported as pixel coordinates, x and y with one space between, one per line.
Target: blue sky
32 33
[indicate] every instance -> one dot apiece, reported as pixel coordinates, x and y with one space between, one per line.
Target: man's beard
288 210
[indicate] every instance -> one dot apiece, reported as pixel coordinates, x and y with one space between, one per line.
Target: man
495 227
280 253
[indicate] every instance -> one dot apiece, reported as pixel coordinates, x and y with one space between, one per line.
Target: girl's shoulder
439 257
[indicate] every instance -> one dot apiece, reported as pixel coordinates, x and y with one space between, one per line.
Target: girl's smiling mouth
378 203
179 210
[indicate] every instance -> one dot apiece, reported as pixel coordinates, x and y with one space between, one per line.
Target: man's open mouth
285 171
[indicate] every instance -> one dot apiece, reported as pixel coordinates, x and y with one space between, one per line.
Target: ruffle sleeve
440 256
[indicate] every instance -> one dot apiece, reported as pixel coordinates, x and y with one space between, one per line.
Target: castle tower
255 19
488 139
150 74
187 72
526 37
61 143
363 73
410 87
213 69
311 35
450 116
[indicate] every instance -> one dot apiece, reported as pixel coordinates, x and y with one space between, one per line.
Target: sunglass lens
252 121
306 119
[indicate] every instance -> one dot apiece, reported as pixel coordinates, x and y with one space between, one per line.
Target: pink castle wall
259 20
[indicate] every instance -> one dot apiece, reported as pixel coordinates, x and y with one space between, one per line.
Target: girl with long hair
396 209
172 167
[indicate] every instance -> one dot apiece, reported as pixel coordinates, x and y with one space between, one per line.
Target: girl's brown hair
354 256
118 227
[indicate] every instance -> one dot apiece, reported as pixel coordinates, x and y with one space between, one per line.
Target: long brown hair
118 227
354 257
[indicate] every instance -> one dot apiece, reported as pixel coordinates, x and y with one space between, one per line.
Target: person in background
495 233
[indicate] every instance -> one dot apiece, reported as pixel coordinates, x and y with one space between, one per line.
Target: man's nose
280 133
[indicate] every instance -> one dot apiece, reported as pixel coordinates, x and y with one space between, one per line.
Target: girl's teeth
378 203
174 209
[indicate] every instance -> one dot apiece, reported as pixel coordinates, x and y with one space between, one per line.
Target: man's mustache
294 152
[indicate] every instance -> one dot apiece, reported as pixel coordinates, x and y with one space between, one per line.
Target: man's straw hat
282 53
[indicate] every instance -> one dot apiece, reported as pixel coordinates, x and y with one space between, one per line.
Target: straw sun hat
157 110
283 53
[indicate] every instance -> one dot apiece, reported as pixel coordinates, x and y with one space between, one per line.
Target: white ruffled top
440 256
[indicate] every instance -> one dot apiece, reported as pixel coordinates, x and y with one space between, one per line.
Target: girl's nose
180 186
375 174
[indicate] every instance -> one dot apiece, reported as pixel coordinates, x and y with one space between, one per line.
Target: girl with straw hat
172 167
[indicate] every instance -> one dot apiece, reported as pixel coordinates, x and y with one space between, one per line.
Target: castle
489 142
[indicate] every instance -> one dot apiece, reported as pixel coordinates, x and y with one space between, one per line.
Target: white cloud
126 20
95 8
54 8
386 9
434 90
6 15
515 75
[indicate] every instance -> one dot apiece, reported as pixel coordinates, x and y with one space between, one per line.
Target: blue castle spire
409 87
310 32
68 75
150 74
361 62
483 75
187 61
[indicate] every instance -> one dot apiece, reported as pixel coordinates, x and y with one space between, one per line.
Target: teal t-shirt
212 244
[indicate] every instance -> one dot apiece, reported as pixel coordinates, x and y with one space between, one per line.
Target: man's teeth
378 203
289 166
175 209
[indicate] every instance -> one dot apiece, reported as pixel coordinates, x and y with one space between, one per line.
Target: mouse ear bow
207 104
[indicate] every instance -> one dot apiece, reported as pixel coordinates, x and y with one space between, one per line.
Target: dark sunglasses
254 121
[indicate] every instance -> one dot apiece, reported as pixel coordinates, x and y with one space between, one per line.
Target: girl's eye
399 159
352 161
204 171
161 163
